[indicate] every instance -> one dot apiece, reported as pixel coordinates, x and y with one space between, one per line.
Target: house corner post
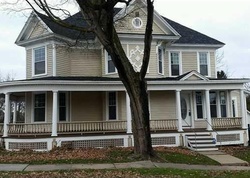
178 109
6 115
128 111
243 109
209 119
54 114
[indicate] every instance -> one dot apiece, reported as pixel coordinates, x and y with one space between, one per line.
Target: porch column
243 109
178 109
14 111
6 115
128 109
218 104
54 113
209 120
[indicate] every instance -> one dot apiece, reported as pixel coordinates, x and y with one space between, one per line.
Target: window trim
33 108
137 27
106 65
33 61
180 63
107 106
162 60
208 62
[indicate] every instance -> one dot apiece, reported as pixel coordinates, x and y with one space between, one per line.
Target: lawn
241 152
104 155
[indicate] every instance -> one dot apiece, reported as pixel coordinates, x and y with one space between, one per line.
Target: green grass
187 159
243 154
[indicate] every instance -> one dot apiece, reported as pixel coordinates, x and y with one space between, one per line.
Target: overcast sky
225 20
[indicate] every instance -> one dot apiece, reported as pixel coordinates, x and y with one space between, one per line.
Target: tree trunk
140 118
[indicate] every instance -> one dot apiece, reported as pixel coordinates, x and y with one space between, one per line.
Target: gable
38 30
193 75
125 17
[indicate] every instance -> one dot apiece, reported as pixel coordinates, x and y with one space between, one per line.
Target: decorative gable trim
194 73
29 27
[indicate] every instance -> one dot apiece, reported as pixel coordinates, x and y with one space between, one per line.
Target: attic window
137 22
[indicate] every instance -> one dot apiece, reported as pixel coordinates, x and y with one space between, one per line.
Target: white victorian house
73 96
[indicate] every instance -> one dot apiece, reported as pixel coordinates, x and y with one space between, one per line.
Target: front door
186 114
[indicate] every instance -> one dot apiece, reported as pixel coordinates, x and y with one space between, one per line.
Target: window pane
160 60
39 107
112 105
39 115
213 106
199 106
223 104
39 67
175 69
111 66
203 63
62 107
39 54
175 64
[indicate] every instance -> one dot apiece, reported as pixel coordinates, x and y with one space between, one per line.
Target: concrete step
196 145
205 149
201 141
199 137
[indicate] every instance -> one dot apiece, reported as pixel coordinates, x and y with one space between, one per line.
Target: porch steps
201 142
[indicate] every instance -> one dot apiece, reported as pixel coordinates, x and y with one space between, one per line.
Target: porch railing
170 124
222 123
37 128
92 126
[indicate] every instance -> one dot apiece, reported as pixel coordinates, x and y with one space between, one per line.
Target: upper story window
174 63
110 67
203 63
39 59
39 107
137 22
160 61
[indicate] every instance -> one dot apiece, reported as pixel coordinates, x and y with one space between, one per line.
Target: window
39 61
199 107
213 104
223 106
234 107
175 63
62 107
137 22
203 61
112 106
39 107
160 60
110 67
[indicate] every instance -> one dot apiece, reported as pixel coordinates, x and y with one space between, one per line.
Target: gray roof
188 36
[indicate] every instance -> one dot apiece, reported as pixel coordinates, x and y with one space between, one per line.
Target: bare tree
99 15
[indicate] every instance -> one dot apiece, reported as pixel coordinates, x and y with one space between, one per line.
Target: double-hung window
110 67
213 106
39 107
112 114
175 63
39 55
223 106
62 107
199 105
160 60
203 62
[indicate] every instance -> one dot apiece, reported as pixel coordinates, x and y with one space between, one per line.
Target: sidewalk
227 162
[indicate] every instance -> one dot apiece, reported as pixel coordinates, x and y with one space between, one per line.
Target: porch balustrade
170 124
90 126
226 123
84 127
38 128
